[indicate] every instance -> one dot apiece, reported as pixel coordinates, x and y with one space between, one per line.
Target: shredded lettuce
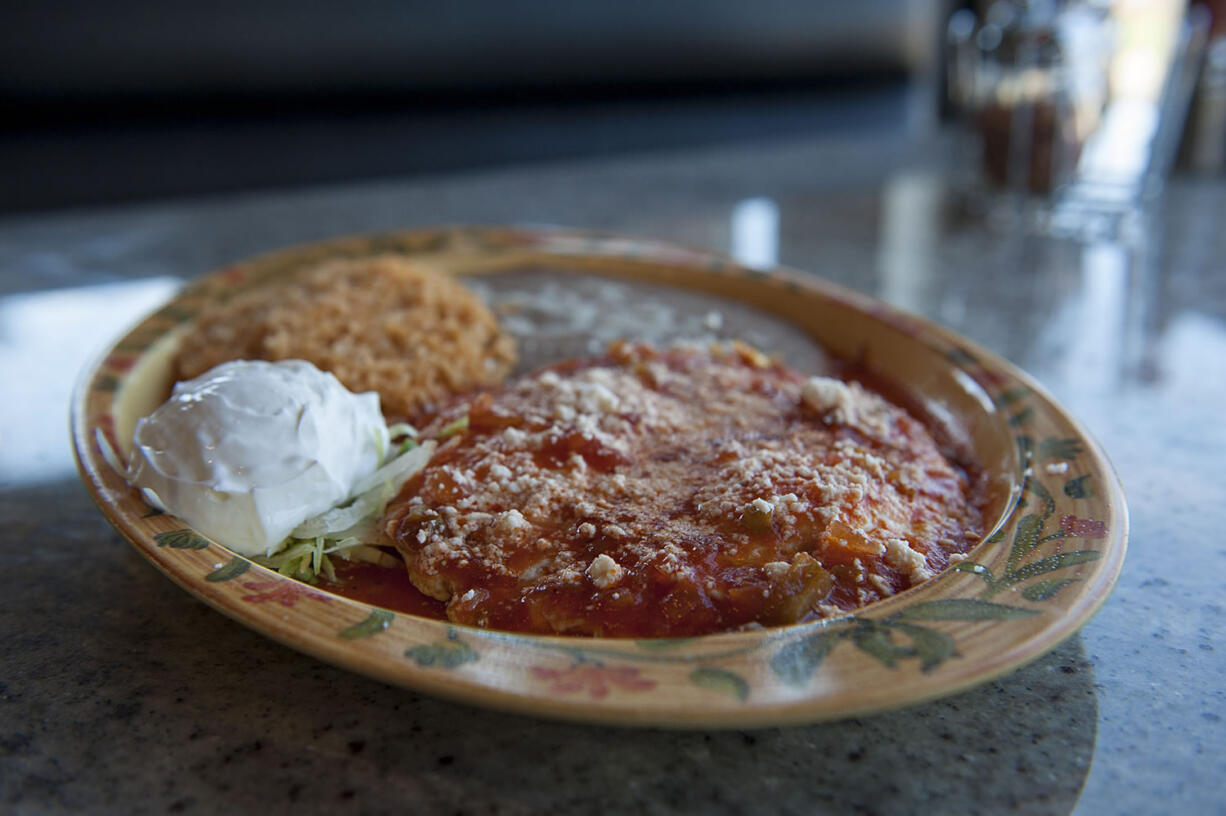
341 518
396 472
401 429
458 426
349 530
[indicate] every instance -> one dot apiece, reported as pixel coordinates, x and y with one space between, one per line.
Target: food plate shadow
1021 744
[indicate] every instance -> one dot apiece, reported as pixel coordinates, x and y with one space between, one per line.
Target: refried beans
677 492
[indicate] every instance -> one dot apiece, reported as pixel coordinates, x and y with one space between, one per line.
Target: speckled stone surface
120 693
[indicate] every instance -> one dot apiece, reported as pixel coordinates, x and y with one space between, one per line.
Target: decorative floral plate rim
1045 570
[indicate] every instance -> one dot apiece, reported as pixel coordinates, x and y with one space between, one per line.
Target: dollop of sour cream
249 450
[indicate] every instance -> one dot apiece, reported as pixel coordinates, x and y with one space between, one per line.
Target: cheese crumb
882 585
840 403
831 398
776 570
900 556
829 611
511 522
604 572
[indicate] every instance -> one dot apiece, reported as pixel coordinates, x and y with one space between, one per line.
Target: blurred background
134 99
131 100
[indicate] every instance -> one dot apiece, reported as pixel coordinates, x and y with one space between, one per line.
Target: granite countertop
121 693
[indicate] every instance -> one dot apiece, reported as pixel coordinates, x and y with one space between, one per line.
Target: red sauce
673 493
388 587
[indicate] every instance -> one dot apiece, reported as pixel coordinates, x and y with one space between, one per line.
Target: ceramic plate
1057 518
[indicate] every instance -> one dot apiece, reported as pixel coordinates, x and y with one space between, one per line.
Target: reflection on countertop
46 338
104 658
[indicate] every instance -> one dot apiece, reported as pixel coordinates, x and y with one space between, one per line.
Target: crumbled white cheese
788 505
840 403
511 522
604 572
882 585
762 506
900 556
830 398
595 398
776 570
672 562
586 530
